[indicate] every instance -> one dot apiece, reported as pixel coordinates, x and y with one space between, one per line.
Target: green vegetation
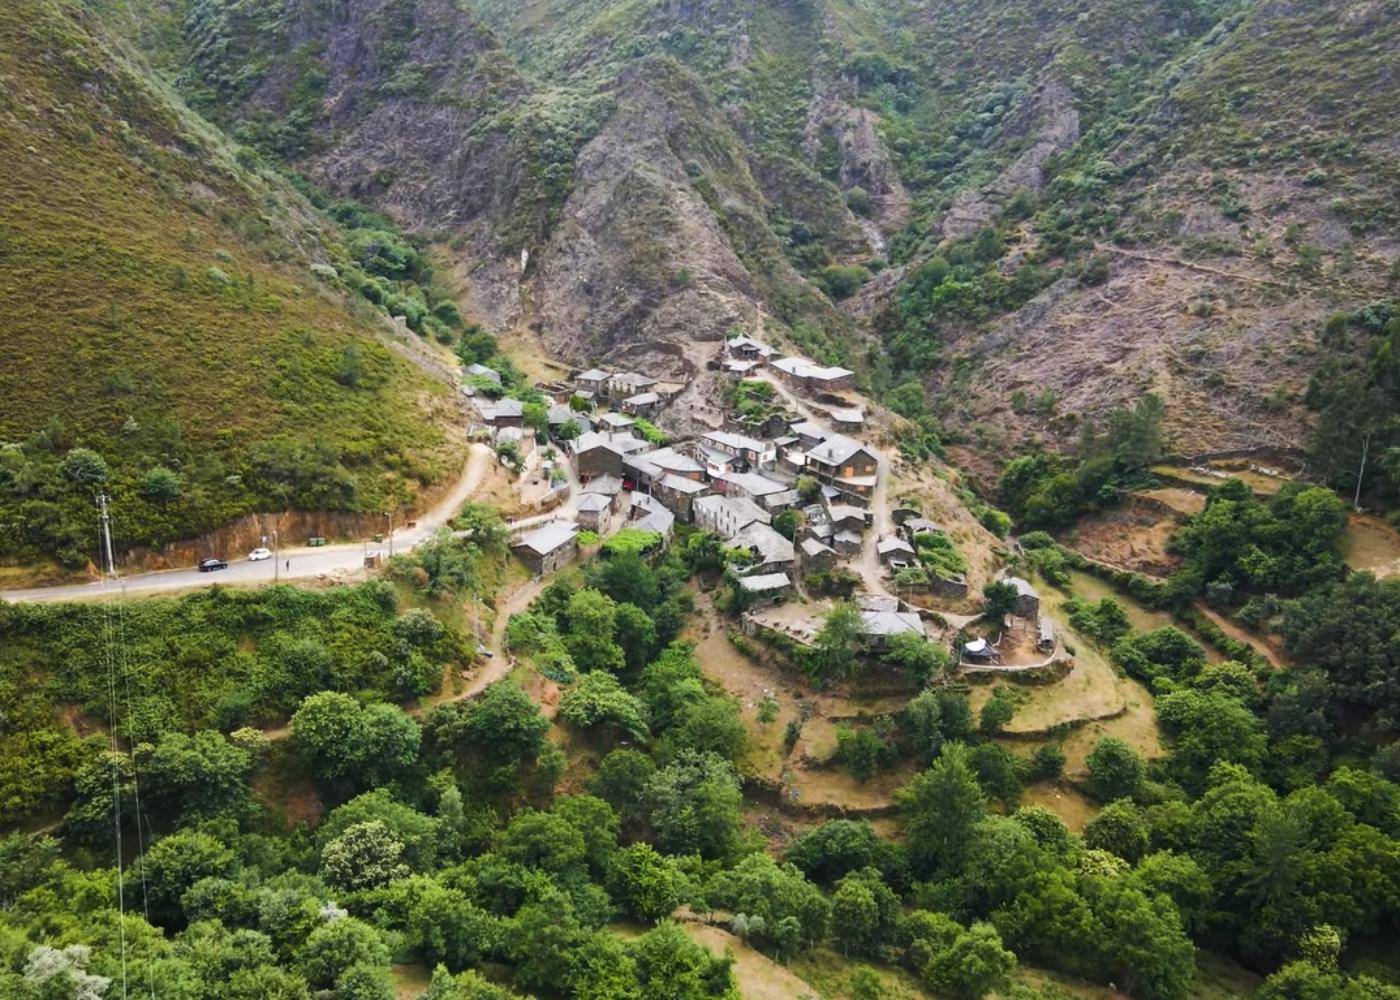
1355 393
444 842
219 378
1239 544
217 659
1046 491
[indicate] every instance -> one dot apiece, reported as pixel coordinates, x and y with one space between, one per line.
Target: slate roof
549 538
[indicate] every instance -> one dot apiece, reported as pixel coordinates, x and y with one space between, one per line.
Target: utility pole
109 567
1361 473
276 556
389 516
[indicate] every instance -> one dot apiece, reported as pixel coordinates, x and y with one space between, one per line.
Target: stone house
549 548
594 512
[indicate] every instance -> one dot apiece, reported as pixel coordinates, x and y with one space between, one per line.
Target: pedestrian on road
289 565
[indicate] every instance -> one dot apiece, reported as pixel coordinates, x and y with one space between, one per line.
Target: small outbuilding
549 548
594 512
766 588
1027 599
815 555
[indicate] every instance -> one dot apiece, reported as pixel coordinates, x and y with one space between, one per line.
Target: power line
139 817
108 644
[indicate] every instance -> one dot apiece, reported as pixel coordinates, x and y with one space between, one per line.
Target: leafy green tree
1120 829
778 906
997 711
835 651
670 682
635 632
1163 652
535 416
648 885
788 523
176 862
998 772
503 725
161 485
621 781
327 730
418 833
1141 944
337 946
932 717
862 750
444 565
477 346
265 982
1204 729
541 941
469 985
1047 830
365 856
693 806
1047 763
973 965
707 725
599 699
1346 629
541 841
704 553
939 809
592 622
1115 770
439 923
1183 881
916 656
864 913
670 966
367 745
839 846
603 967
998 599
84 467
197 777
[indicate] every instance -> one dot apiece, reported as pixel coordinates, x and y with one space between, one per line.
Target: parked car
259 554
210 565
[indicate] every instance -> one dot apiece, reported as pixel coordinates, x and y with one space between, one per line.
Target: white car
259 554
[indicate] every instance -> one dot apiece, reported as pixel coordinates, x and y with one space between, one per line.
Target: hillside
162 309
1072 202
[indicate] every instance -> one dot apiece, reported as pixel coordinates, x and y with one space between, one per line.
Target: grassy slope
117 208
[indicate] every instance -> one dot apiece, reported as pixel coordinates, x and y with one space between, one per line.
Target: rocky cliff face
1115 194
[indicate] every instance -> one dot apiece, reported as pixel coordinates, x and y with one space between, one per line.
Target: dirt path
1234 631
1188 265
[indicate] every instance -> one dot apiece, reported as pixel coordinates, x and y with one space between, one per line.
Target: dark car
210 565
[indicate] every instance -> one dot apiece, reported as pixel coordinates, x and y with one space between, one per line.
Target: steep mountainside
163 327
1069 202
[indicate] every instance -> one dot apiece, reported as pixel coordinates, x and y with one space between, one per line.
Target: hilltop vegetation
176 330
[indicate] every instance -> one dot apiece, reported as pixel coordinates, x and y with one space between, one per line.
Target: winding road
301 563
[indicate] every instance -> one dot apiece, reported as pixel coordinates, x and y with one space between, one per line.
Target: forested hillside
176 323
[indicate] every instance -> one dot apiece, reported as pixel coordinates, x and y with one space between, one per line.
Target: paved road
306 563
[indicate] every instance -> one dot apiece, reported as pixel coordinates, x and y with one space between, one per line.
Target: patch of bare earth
1371 544
1132 537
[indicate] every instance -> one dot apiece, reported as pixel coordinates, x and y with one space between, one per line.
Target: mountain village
790 483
